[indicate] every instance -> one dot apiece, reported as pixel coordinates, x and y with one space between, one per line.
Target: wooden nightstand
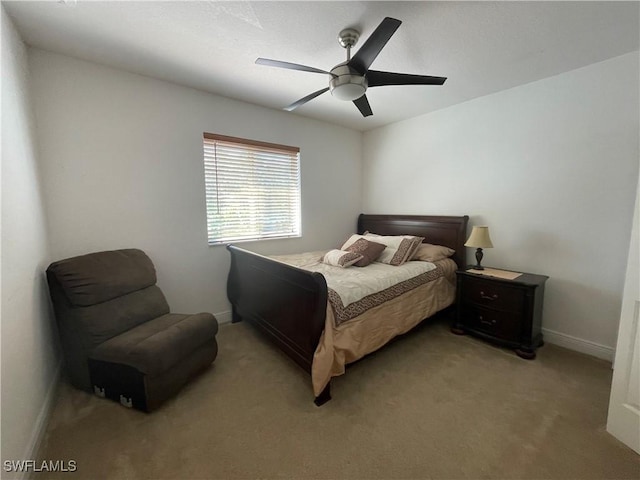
506 312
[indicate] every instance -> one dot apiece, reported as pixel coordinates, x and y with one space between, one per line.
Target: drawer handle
486 322
487 297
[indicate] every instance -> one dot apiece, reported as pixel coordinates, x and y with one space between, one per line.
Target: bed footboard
286 303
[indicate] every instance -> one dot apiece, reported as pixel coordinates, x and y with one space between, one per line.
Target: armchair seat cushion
155 346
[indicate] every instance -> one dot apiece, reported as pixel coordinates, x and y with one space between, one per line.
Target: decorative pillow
340 258
370 251
351 240
415 243
432 253
399 249
386 254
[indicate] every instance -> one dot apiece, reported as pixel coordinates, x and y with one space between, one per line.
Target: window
252 189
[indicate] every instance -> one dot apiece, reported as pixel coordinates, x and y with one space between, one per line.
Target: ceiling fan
350 79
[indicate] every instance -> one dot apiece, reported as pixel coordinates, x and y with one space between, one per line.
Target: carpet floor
431 405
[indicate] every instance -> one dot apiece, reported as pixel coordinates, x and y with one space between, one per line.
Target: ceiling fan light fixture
347 85
348 91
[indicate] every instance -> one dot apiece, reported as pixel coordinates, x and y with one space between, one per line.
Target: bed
290 304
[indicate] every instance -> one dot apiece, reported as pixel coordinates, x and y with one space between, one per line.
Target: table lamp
479 239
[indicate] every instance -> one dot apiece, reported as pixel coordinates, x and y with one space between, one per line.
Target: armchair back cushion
99 296
98 277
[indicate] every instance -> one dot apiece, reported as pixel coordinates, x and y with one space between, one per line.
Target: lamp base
479 256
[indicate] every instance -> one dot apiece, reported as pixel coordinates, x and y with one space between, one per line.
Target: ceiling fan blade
304 100
364 57
363 105
290 66
379 79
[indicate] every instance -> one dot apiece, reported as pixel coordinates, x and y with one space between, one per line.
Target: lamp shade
479 238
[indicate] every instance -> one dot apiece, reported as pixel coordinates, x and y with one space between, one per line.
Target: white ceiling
482 47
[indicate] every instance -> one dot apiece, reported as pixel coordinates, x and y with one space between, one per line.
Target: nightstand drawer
502 325
492 294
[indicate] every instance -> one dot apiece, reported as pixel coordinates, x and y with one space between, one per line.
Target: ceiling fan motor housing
347 84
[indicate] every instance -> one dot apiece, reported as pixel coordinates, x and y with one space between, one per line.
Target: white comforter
355 283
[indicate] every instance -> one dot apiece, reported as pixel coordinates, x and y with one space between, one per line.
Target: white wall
550 166
123 162
29 349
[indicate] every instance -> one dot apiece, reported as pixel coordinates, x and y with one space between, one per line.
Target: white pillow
350 241
340 258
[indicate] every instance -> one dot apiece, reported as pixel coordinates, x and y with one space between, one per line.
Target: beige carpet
431 405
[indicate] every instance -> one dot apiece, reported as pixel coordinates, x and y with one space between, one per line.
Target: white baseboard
32 450
579 345
223 317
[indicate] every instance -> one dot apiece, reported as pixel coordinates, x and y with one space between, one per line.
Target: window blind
252 189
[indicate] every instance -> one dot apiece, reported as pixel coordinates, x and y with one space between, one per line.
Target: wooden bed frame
289 304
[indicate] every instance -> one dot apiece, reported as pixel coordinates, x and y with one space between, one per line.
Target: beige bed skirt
368 332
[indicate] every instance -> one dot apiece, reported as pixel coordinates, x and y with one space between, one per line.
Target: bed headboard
449 231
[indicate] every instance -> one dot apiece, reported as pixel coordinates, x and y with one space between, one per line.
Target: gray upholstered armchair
118 338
